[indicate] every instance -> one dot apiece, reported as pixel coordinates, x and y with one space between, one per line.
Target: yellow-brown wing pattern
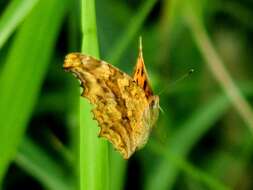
119 102
140 74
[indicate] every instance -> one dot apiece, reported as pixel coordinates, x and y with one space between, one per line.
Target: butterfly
125 107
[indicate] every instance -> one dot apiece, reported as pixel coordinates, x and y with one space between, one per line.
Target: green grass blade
32 159
94 162
23 73
134 26
13 16
118 168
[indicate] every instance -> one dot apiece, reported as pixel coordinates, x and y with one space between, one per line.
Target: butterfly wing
119 101
140 73
141 77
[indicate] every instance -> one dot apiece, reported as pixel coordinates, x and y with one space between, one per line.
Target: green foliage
33 159
13 15
94 162
203 139
23 73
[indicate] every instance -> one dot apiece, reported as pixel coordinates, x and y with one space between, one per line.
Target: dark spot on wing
99 81
105 89
145 85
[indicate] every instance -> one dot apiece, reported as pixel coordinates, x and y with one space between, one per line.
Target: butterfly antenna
160 108
178 80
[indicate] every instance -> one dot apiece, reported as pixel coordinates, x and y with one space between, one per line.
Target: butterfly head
154 109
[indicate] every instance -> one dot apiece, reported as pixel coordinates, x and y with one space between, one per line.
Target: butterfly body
125 111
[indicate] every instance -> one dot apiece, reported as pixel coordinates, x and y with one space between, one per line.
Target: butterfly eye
154 102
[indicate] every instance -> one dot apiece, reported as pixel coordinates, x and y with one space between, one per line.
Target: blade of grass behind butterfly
13 15
94 162
74 34
23 73
32 159
132 29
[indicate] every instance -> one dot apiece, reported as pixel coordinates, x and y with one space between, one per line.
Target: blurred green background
203 139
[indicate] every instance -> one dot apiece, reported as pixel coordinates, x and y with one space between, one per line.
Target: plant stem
94 162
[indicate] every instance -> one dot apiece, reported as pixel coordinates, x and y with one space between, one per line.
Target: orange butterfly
125 107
